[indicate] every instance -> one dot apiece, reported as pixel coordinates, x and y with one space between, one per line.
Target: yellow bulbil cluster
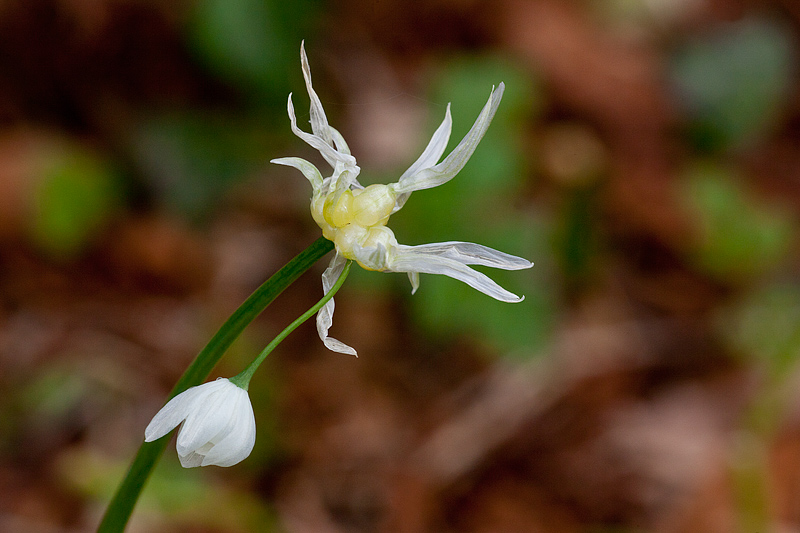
356 217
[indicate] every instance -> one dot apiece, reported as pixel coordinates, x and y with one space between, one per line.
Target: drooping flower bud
219 427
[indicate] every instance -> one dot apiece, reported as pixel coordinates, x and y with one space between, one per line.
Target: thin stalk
243 378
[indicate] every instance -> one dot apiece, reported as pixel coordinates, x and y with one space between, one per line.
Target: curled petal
470 253
436 175
326 139
323 147
373 257
319 122
325 315
430 156
343 179
413 278
406 259
338 141
311 172
436 146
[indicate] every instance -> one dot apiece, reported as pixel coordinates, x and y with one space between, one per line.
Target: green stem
121 505
243 378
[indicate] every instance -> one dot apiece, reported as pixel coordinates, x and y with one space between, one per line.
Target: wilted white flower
219 427
354 217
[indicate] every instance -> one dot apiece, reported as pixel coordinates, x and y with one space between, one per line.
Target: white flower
355 217
218 424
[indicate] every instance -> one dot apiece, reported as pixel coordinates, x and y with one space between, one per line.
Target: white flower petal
338 346
436 175
436 146
407 260
338 141
319 122
191 460
238 437
470 253
413 278
173 413
323 147
207 420
373 257
325 315
327 140
342 179
311 172
430 156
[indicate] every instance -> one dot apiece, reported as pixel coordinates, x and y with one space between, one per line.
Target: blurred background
645 157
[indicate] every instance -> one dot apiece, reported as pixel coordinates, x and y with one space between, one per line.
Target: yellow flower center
355 217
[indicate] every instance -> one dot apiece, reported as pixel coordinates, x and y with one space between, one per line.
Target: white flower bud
219 427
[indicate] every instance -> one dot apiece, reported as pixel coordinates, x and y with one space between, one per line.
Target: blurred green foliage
54 393
190 159
762 325
740 236
765 324
479 205
576 241
77 193
252 44
174 495
734 82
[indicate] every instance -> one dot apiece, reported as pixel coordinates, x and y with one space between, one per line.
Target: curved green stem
243 378
121 505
